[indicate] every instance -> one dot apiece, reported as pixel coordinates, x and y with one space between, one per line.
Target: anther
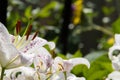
28 32
61 67
18 27
35 35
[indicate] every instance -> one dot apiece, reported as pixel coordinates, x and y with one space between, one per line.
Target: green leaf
94 55
107 10
79 70
47 47
46 11
61 55
77 54
97 75
99 69
116 26
28 12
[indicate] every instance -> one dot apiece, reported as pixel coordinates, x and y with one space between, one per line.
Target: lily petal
23 73
9 56
67 65
42 60
75 78
36 43
4 35
27 59
76 61
111 50
114 76
69 76
117 39
51 45
116 46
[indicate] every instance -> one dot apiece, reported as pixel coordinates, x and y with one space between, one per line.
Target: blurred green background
85 25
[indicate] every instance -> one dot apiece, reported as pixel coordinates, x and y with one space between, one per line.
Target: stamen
61 67
35 35
29 23
18 27
39 66
12 60
48 73
41 63
22 39
28 32
52 52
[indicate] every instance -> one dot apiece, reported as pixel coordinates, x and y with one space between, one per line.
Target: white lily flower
40 76
9 55
68 76
67 65
114 76
21 73
43 60
114 53
34 48
54 69
16 51
75 78
116 46
116 63
77 61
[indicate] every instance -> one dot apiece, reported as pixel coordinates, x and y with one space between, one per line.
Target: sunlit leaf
99 68
79 70
77 54
61 55
28 12
94 55
116 26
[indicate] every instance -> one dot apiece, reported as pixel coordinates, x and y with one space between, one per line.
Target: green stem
104 30
2 73
65 74
30 21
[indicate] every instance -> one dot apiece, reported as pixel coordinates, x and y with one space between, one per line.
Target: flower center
21 42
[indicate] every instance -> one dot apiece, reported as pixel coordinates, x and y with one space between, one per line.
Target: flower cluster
26 58
114 55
